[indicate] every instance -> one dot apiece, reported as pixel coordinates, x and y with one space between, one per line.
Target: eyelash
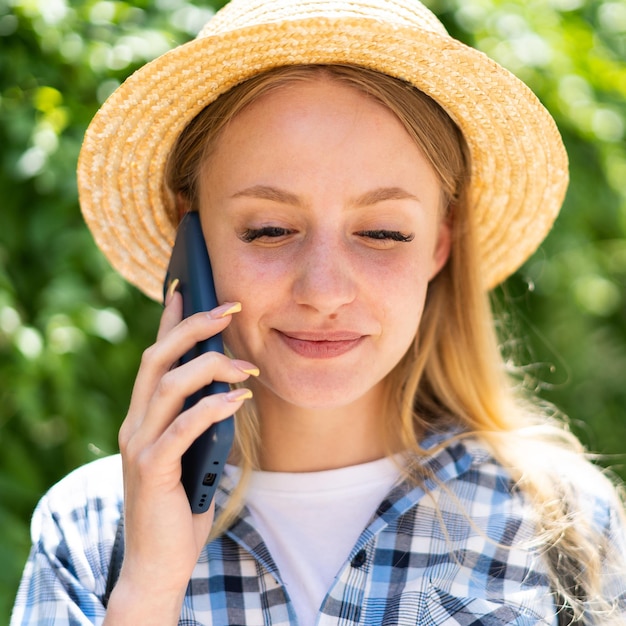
250 234
394 235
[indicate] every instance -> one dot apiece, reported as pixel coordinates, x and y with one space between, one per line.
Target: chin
330 395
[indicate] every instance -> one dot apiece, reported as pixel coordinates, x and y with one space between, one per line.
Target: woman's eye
265 232
387 235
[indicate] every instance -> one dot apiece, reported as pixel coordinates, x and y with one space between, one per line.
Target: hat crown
239 14
518 162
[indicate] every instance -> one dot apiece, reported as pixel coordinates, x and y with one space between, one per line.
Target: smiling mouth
321 345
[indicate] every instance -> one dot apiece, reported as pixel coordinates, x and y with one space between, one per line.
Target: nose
325 276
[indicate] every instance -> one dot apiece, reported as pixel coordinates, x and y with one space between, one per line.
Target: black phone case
203 463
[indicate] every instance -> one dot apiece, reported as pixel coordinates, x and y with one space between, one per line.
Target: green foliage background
71 331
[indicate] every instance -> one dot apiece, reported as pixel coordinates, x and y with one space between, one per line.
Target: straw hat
519 165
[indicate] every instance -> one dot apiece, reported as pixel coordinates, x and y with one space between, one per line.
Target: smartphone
203 463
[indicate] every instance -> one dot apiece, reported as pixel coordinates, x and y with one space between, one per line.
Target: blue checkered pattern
457 552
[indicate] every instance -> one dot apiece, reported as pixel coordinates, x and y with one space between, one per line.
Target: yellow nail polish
246 367
233 308
239 394
171 289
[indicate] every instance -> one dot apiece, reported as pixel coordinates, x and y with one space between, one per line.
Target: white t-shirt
311 521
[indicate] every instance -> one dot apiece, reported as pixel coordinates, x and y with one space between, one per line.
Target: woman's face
323 219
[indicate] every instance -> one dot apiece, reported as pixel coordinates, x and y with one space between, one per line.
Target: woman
362 180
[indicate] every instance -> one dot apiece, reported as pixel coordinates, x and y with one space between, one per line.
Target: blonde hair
455 371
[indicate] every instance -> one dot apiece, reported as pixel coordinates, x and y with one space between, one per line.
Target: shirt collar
448 457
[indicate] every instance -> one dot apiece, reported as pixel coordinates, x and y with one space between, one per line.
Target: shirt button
359 559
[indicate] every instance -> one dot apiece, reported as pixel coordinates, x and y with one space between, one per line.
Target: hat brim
519 166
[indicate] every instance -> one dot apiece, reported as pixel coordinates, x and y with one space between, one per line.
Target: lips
321 345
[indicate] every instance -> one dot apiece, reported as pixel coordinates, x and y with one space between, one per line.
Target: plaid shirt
419 561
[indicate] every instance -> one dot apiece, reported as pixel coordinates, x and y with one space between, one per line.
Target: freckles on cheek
402 300
231 279
247 283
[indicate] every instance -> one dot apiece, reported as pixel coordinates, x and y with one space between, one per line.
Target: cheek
403 310
257 288
403 277
234 276
234 341
404 297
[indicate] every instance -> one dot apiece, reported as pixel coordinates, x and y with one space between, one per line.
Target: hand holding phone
203 463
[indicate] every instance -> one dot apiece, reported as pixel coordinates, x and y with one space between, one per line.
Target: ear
441 252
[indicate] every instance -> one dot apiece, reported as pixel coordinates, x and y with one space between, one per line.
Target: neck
297 439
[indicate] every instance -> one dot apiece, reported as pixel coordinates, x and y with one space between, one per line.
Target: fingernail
246 368
171 289
237 395
225 309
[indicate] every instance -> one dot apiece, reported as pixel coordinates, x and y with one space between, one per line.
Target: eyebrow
382 194
265 192
369 198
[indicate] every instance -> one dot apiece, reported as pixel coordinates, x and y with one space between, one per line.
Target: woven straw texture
519 165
